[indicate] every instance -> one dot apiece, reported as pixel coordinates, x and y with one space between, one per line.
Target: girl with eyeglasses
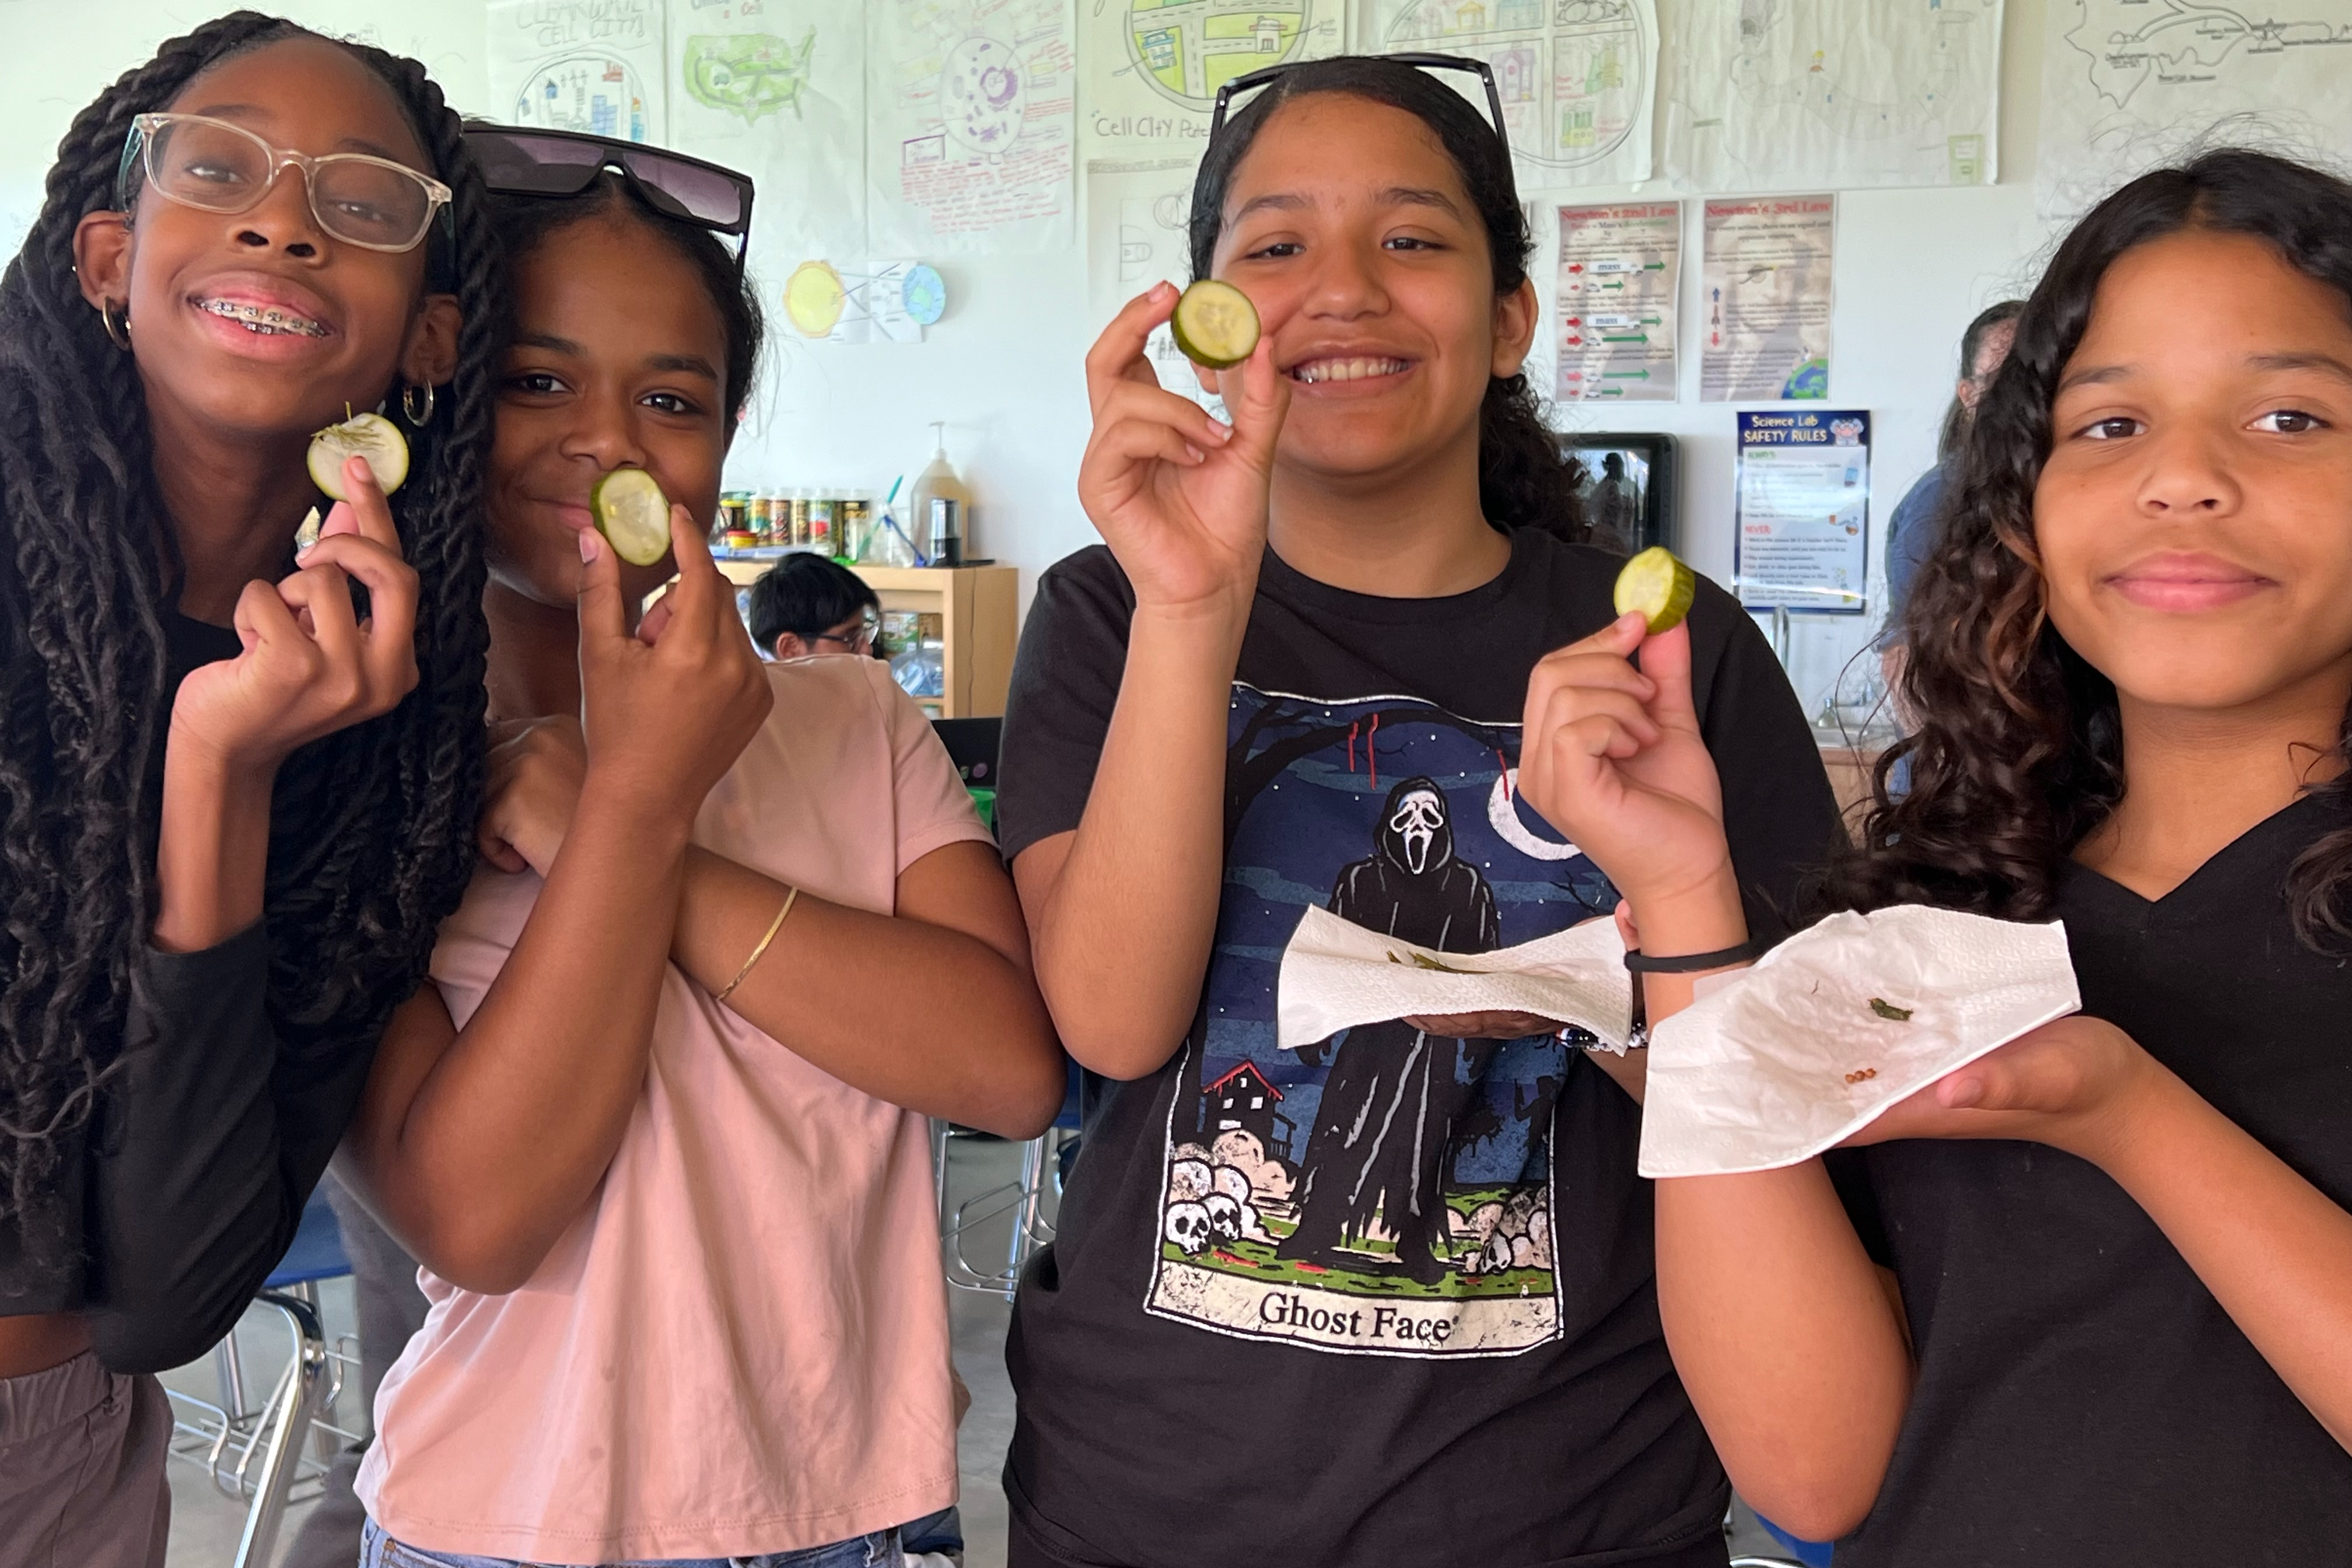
234 799
1385 1297
656 1129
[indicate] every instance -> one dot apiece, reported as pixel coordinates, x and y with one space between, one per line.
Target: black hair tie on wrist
1641 963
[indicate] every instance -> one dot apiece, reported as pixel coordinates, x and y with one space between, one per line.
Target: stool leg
230 1370
1024 1218
285 1427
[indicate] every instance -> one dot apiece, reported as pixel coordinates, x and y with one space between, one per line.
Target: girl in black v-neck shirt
2119 1248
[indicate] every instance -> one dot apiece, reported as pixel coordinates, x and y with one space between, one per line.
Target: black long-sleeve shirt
182 1190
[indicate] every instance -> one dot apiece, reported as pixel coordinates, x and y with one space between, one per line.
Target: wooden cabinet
976 607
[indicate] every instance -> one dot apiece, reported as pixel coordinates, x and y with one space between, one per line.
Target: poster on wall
1764 299
2127 85
595 65
1774 95
1620 266
1150 70
1578 79
971 143
1136 214
777 89
1802 511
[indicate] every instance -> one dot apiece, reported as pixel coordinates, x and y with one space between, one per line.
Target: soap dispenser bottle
937 481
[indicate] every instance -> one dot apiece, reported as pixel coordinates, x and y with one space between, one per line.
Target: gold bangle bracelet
773 927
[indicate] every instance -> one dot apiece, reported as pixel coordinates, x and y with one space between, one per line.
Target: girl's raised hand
311 664
669 707
1612 757
1179 496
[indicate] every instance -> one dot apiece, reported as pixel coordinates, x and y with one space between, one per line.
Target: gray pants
82 1468
391 1309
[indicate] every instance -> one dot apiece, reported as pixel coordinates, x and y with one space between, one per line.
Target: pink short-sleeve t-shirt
741 1345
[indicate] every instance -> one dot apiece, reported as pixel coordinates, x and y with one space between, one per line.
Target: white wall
58 55
1003 367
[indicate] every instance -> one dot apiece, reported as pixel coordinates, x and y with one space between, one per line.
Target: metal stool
259 1452
1043 1160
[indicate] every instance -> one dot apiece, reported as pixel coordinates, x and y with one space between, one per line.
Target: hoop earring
408 404
117 332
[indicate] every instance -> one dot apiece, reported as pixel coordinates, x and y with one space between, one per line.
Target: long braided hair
371 828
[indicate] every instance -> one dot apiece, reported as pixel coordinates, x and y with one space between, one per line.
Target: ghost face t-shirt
1388 1298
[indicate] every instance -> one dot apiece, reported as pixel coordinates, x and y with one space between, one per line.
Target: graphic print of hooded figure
1383 1134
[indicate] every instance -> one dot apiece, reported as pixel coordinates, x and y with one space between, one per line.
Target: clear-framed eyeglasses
216 167
859 638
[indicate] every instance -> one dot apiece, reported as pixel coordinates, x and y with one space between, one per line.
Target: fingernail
587 544
1964 1093
1220 431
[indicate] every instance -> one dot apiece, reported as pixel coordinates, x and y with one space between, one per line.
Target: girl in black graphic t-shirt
2120 1297
1384 1298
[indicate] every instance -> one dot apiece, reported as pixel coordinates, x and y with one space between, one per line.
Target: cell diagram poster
595 65
971 146
1150 70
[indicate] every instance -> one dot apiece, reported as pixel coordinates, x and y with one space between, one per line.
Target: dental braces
266 321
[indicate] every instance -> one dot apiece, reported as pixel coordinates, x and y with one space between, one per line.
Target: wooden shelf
975 605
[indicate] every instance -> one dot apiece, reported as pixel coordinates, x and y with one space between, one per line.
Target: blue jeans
879 1550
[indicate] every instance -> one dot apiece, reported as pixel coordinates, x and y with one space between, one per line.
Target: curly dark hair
2019 751
372 828
1524 478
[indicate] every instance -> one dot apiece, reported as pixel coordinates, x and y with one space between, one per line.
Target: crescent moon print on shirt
1385 1191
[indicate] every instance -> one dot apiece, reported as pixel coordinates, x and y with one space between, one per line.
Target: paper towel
1777 1063
1337 975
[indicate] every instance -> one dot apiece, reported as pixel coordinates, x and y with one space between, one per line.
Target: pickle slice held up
1659 585
1215 325
632 514
368 436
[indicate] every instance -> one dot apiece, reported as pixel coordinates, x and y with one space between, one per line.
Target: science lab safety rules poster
1803 507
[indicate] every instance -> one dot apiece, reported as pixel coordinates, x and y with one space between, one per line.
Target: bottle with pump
937 481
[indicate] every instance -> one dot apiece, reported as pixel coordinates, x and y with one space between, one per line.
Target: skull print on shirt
1386 1190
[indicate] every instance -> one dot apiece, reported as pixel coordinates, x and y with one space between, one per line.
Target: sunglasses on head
519 163
1253 80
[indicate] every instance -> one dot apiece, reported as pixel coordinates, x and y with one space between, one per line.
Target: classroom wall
1003 367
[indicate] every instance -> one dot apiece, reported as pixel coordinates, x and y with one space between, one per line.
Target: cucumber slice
1658 585
369 436
1215 325
631 511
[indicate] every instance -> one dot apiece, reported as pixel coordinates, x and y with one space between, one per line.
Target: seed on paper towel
1862 1074
1886 1009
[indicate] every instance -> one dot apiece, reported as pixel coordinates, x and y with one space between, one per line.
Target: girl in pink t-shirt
657 1129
